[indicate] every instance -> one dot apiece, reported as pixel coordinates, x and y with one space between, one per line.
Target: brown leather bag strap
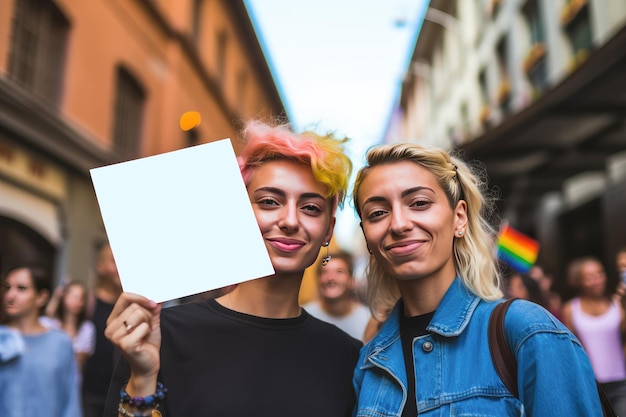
503 359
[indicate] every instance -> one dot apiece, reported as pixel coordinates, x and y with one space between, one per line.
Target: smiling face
294 217
408 223
592 278
21 298
335 281
74 299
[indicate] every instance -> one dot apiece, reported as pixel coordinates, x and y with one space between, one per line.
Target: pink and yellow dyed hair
324 154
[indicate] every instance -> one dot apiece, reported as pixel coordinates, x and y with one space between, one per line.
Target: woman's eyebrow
414 190
282 193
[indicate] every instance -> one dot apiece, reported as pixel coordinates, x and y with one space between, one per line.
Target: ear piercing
326 258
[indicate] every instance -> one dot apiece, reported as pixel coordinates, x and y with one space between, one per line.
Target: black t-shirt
98 368
410 328
218 362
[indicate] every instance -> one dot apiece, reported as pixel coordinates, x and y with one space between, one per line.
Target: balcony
571 10
534 55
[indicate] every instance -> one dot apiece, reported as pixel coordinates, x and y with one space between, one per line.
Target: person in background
336 301
620 262
427 225
599 321
552 300
98 367
253 351
67 311
38 378
519 285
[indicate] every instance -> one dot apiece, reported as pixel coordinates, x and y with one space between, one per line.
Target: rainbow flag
516 249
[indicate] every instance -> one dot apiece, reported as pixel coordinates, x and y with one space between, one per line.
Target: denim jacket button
427 346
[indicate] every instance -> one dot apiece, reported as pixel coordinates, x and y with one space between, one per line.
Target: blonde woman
424 216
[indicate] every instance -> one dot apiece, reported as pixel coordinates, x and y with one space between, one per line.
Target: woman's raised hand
134 326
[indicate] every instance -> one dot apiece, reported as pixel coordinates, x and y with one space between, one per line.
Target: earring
326 258
460 233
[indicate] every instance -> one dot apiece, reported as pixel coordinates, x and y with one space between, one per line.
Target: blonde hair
474 255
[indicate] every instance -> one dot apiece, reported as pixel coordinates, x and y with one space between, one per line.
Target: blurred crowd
595 314
29 307
80 382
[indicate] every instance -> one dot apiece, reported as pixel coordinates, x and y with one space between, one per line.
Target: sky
338 66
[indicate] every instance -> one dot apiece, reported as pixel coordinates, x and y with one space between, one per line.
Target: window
575 19
222 41
535 24
196 18
579 32
485 110
129 107
503 96
242 85
537 75
535 59
38 45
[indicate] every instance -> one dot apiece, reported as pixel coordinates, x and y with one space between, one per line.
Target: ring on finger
129 327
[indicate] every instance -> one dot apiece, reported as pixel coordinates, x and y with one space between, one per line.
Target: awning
573 128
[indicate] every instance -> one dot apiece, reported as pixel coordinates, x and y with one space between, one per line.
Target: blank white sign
180 223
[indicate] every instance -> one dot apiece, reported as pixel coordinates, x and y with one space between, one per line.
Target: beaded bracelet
143 403
121 410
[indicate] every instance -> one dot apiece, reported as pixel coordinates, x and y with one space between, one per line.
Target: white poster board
180 223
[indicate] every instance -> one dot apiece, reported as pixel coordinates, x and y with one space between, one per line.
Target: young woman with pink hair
253 351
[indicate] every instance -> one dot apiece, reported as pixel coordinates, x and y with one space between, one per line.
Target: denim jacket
454 372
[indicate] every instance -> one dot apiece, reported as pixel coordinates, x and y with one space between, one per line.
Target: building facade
89 83
536 91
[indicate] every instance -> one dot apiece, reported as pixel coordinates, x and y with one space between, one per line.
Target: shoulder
87 328
50 322
57 338
524 314
186 313
525 319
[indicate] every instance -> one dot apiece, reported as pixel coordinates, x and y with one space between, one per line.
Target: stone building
536 91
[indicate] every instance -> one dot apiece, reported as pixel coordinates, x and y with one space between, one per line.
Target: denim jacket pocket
487 407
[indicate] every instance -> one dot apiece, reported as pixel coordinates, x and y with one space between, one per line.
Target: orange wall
106 33
6 7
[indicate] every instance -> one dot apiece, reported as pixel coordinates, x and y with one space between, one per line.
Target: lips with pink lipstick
404 247
285 244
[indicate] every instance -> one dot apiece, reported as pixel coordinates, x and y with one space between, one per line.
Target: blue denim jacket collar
450 319
455 310
456 385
